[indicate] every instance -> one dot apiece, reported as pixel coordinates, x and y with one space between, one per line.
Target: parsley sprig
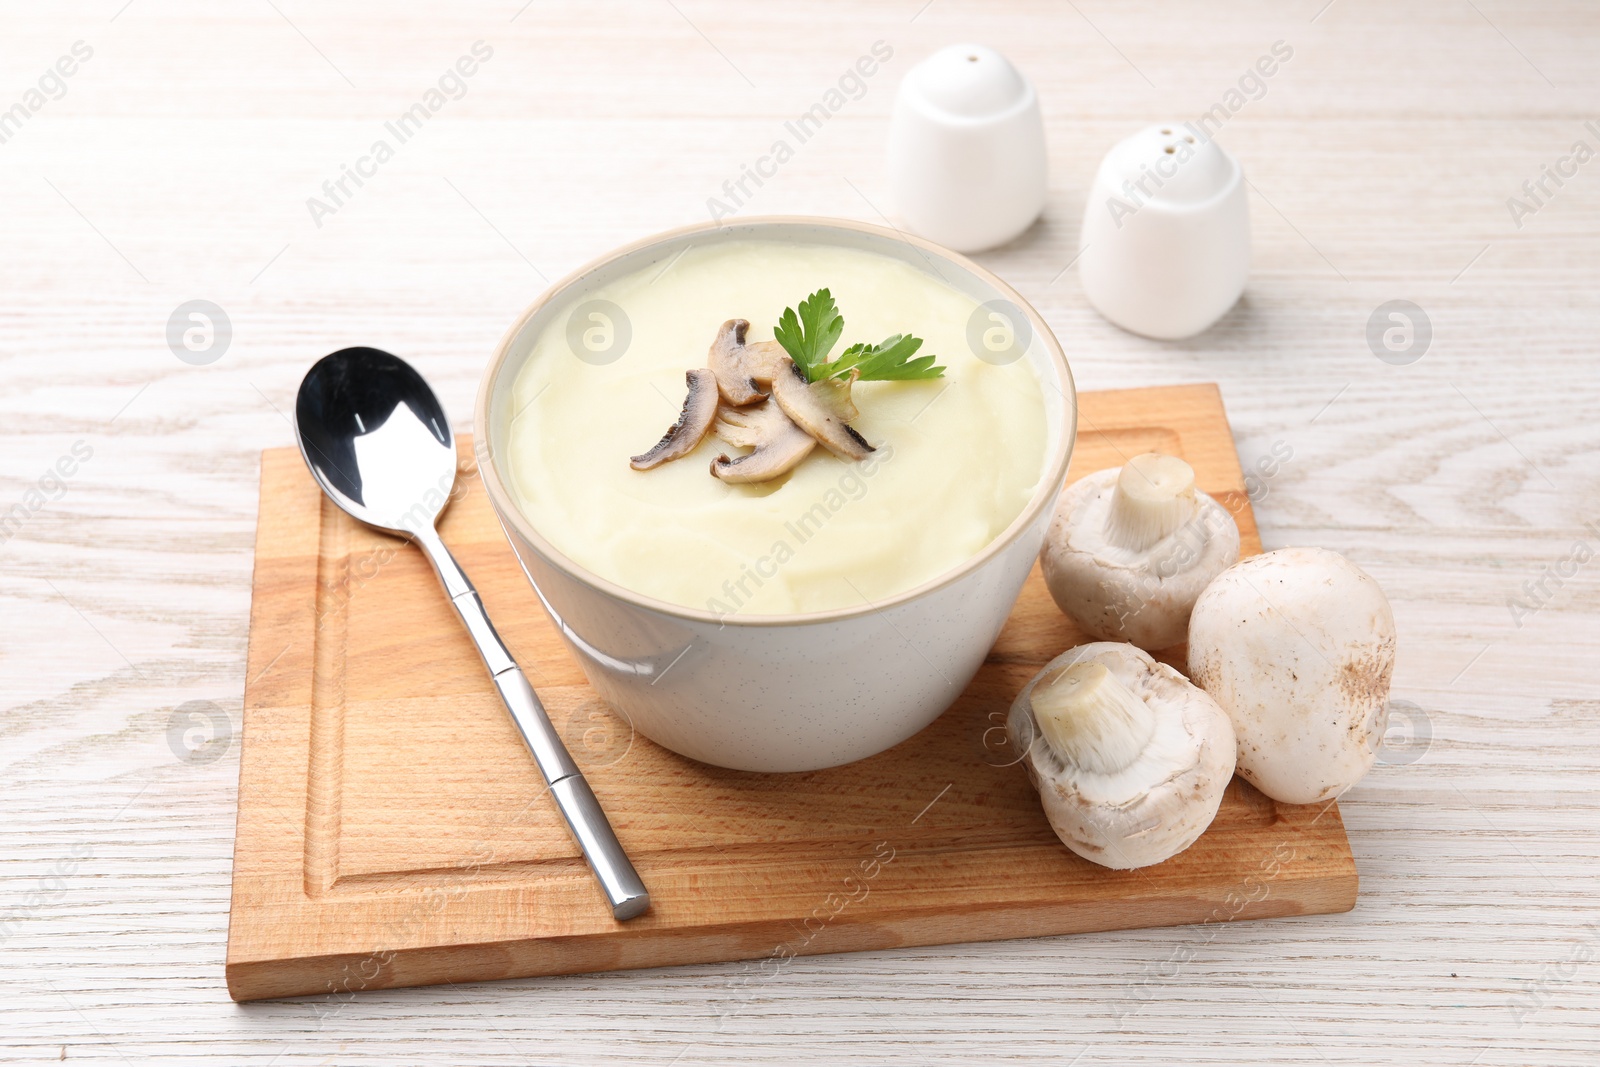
810 335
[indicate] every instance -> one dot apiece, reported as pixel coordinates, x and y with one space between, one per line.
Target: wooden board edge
763 944
1178 393
274 526
1319 878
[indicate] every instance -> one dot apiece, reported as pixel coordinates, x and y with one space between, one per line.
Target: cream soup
957 458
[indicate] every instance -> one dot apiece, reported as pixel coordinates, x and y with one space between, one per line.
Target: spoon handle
587 820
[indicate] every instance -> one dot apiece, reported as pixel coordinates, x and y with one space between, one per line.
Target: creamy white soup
957 458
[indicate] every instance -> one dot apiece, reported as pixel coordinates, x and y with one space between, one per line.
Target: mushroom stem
1154 496
1091 720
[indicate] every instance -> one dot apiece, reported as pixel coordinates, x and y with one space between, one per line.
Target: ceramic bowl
746 691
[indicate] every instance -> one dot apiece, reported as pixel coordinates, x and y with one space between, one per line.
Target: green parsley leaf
810 336
887 361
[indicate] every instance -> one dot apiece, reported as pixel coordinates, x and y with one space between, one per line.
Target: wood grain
392 827
1381 159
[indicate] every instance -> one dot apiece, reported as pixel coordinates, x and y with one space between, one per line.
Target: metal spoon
377 441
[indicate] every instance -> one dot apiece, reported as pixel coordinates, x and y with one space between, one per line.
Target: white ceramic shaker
1166 233
966 149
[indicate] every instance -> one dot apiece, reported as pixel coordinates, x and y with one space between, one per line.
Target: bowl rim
512 516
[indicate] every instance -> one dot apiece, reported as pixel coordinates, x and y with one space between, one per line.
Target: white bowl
747 691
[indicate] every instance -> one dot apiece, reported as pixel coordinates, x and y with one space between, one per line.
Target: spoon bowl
376 439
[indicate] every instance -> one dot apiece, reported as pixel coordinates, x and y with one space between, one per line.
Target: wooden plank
392 828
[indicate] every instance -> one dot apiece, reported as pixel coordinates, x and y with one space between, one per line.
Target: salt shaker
1166 233
966 149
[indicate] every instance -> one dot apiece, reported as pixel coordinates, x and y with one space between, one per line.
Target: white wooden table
176 165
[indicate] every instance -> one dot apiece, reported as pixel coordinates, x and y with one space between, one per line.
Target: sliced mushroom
766 360
741 367
699 410
822 409
779 444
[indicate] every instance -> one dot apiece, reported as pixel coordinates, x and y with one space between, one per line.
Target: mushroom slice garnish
779 444
741 367
766 359
1130 760
699 410
822 409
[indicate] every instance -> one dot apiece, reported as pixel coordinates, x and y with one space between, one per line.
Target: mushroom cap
1298 645
1159 804
1118 594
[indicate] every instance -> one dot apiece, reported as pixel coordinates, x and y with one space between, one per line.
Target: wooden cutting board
393 830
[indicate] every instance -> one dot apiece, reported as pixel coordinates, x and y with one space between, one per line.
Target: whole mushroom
1298 645
1129 759
1130 549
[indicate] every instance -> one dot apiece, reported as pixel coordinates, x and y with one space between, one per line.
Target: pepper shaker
1166 233
966 149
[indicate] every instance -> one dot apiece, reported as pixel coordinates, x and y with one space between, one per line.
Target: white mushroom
1298 645
694 422
822 409
1129 759
1130 549
741 368
779 444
